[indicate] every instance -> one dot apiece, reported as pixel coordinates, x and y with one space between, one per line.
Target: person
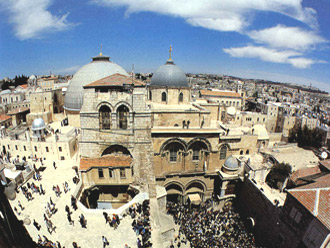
82 221
54 164
20 205
67 209
71 222
37 226
105 241
106 217
73 202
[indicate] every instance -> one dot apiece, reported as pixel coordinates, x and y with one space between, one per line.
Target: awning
195 199
173 192
194 190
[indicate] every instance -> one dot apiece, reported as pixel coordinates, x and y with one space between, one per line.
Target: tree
305 137
277 175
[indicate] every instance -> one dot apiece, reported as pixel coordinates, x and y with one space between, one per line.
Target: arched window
104 117
164 97
181 97
150 95
241 152
223 152
247 152
122 115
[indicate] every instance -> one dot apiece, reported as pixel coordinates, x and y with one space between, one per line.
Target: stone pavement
65 233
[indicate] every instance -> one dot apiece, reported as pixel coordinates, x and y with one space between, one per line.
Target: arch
173 149
103 103
105 117
200 139
180 141
195 186
198 147
174 191
181 97
179 184
164 97
247 152
122 116
119 104
116 149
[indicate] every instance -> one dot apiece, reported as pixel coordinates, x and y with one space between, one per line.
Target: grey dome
99 68
231 163
38 124
169 75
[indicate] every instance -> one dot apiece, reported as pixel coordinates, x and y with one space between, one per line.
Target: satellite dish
324 155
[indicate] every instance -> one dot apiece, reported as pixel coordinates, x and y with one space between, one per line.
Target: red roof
219 93
316 201
105 161
304 173
115 80
326 164
315 197
4 117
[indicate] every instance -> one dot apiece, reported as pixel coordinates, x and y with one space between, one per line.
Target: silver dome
169 75
38 124
99 68
231 163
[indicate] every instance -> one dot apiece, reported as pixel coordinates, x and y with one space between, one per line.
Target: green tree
277 175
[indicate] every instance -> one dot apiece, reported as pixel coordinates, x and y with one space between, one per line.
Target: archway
174 192
199 150
173 150
116 150
195 187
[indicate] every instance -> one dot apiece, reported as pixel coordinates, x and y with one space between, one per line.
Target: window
111 175
122 114
47 150
295 215
60 149
104 117
62 158
173 155
122 173
247 152
229 103
35 149
195 156
24 147
100 173
16 147
241 152
132 171
223 152
8 146
181 97
164 97
150 95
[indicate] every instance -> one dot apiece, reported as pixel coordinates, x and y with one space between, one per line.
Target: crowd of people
140 213
206 227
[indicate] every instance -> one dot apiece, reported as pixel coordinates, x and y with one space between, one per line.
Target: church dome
38 124
231 163
169 75
99 68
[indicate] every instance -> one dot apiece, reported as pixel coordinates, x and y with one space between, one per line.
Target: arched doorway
194 188
174 193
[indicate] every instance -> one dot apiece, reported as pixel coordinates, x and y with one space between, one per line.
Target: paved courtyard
66 233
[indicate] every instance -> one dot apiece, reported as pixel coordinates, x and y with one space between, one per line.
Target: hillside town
108 158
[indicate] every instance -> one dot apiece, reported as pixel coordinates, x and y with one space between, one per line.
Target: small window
173 155
8 146
132 171
111 175
16 147
122 173
181 97
35 149
223 152
24 147
164 97
150 95
47 150
241 152
295 215
247 152
62 158
60 149
100 173
195 155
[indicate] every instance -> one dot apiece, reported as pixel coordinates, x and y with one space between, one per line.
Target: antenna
132 72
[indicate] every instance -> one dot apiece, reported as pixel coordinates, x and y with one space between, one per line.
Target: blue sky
279 40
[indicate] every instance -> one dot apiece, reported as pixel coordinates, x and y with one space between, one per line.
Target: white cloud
287 37
271 55
224 15
31 18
